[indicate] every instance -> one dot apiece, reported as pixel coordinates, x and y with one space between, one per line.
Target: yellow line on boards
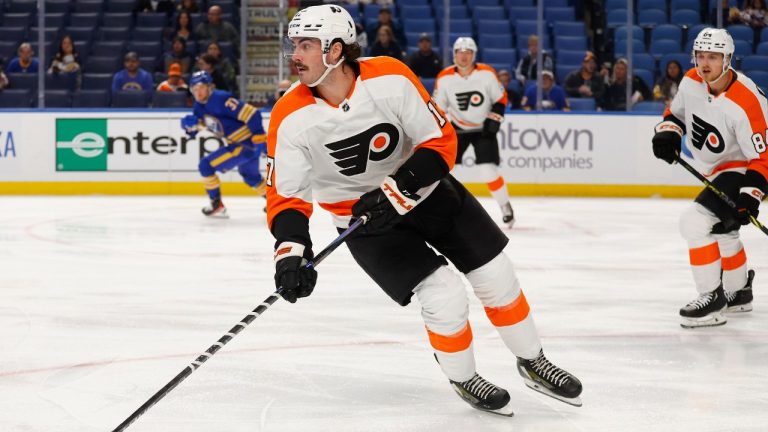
196 188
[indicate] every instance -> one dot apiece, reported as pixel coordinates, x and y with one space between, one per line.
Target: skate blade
740 308
218 215
505 411
711 320
576 401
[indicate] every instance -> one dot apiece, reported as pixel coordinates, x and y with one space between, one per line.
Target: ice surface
104 299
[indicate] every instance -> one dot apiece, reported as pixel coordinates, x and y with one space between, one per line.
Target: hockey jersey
335 154
230 118
725 132
469 99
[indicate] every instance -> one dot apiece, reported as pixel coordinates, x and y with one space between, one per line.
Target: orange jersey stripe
747 101
485 67
510 314
456 342
692 74
446 145
496 184
734 262
727 166
704 255
292 101
341 208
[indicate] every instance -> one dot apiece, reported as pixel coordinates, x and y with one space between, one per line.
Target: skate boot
705 311
541 375
741 300
508 215
216 209
484 396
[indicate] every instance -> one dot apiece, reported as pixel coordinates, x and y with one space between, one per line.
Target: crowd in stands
155 39
159 42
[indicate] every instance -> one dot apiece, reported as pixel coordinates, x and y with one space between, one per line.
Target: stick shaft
213 349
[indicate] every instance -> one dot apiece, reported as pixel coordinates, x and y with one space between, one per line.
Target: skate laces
702 300
730 296
479 387
548 371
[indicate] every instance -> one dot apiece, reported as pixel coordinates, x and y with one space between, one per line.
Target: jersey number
270 170
231 103
436 113
758 141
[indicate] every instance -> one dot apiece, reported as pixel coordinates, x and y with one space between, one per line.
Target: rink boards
146 152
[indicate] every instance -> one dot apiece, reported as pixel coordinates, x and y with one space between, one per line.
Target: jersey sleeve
751 125
289 193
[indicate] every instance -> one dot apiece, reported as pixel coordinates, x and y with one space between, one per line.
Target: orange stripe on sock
510 314
734 262
705 254
453 343
496 184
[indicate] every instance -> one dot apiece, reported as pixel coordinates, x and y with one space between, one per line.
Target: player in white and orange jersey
725 115
475 101
361 136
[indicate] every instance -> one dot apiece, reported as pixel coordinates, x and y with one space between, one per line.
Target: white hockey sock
696 224
733 261
497 287
444 309
489 173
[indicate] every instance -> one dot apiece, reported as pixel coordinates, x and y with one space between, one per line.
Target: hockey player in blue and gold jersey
240 124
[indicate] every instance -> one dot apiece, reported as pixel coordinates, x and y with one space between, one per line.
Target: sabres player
475 100
240 124
361 136
725 116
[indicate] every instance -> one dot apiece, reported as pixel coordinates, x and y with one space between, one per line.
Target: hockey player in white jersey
475 101
361 136
725 116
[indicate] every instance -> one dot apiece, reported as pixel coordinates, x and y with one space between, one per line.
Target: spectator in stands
615 98
174 82
207 63
223 64
189 6
425 62
754 14
586 82
666 86
182 27
177 54
385 44
526 67
730 14
385 19
25 62
552 95
132 78
66 59
513 95
160 6
216 29
3 79
362 37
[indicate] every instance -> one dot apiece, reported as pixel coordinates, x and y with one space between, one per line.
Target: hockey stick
718 192
213 349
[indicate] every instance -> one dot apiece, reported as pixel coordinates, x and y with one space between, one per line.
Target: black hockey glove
386 205
667 141
291 273
492 124
750 196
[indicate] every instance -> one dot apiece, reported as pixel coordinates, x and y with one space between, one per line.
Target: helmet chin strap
328 69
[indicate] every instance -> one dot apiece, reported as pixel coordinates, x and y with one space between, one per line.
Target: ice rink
104 299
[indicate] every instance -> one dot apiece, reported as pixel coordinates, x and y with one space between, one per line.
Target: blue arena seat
683 58
489 12
88 6
89 19
652 4
15 98
460 26
57 6
112 19
651 17
21 6
571 43
130 99
742 48
617 17
458 11
58 99
762 48
754 62
120 6
60 81
649 107
429 84
475 3
666 31
646 75
552 14
163 99
22 81
620 48
496 26
418 25
17 20
741 32
147 34
522 13
414 11
643 61
686 17
494 41
150 19
664 46
760 78
498 55
685 4
569 57
102 64
91 98
582 104
621 32
108 48
565 28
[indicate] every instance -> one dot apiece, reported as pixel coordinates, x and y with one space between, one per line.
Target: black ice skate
216 209
484 396
508 215
741 300
541 375
705 311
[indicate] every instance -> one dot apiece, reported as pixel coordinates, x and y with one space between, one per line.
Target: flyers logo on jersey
466 99
376 144
705 133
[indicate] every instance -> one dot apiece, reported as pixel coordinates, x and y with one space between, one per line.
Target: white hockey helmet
324 22
714 40
465 44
